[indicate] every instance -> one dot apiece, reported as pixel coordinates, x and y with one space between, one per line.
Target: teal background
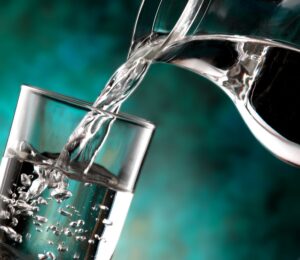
208 189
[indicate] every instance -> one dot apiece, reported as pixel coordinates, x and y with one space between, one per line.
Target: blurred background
208 189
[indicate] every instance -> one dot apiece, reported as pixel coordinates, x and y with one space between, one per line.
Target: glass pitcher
247 48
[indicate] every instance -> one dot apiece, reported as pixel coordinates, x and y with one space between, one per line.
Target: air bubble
38 230
37 223
51 255
11 233
4 214
42 201
80 238
25 180
40 219
62 248
73 224
103 207
65 213
42 256
61 194
14 222
91 241
68 232
107 222
80 223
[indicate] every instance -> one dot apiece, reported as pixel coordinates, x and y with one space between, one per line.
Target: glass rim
89 106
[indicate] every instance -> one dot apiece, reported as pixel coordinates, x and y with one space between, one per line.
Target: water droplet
76 256
65 213
50 242
25 180
107 222
28 236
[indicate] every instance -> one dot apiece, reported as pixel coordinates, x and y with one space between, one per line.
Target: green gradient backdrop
208 189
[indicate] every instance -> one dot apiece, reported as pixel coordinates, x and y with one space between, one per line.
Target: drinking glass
58 212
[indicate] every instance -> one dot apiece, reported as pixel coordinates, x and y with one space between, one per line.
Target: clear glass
83 221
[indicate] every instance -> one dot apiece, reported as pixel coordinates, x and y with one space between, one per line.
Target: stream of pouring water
90 134
82 144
